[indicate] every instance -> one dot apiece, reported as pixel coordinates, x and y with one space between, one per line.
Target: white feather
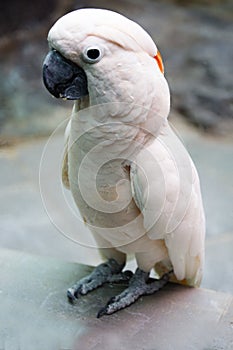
183 234
126 111
76 26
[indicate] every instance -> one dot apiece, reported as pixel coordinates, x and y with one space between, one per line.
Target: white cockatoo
134 183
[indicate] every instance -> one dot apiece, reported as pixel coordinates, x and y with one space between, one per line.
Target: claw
102 312
71 295
107 309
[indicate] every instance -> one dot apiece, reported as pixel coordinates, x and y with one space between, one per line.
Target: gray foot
110 272
140 284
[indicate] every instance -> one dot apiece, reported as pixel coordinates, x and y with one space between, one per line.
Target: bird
131 177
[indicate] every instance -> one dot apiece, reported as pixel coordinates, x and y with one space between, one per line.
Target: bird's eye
92 54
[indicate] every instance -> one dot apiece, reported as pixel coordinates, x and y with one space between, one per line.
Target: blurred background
196 42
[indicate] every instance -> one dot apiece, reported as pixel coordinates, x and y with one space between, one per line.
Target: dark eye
92 54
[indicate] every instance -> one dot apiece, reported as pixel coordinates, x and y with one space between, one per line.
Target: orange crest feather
159 60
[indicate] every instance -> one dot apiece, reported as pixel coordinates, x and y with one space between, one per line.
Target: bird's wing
65 174
165 187
186 243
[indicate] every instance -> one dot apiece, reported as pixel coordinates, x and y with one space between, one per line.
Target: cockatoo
131 178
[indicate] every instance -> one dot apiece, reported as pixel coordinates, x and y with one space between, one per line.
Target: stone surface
36 315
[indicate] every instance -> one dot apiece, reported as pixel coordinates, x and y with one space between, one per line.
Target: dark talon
102 312
71 296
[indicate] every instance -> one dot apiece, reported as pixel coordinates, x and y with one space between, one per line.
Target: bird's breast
100 185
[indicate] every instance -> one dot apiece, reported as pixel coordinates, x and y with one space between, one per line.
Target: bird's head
105 56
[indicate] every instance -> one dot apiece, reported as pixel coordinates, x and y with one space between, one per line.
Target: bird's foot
111 272
140 284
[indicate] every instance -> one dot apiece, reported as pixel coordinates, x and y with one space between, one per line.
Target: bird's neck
119 127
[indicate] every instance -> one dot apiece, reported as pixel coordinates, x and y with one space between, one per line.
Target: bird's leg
110 271
140 284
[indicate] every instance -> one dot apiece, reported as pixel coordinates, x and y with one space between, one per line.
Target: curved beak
63 78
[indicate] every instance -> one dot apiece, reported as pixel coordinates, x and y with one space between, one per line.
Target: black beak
64 78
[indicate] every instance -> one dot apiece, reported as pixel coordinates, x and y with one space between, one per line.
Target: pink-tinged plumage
146 199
